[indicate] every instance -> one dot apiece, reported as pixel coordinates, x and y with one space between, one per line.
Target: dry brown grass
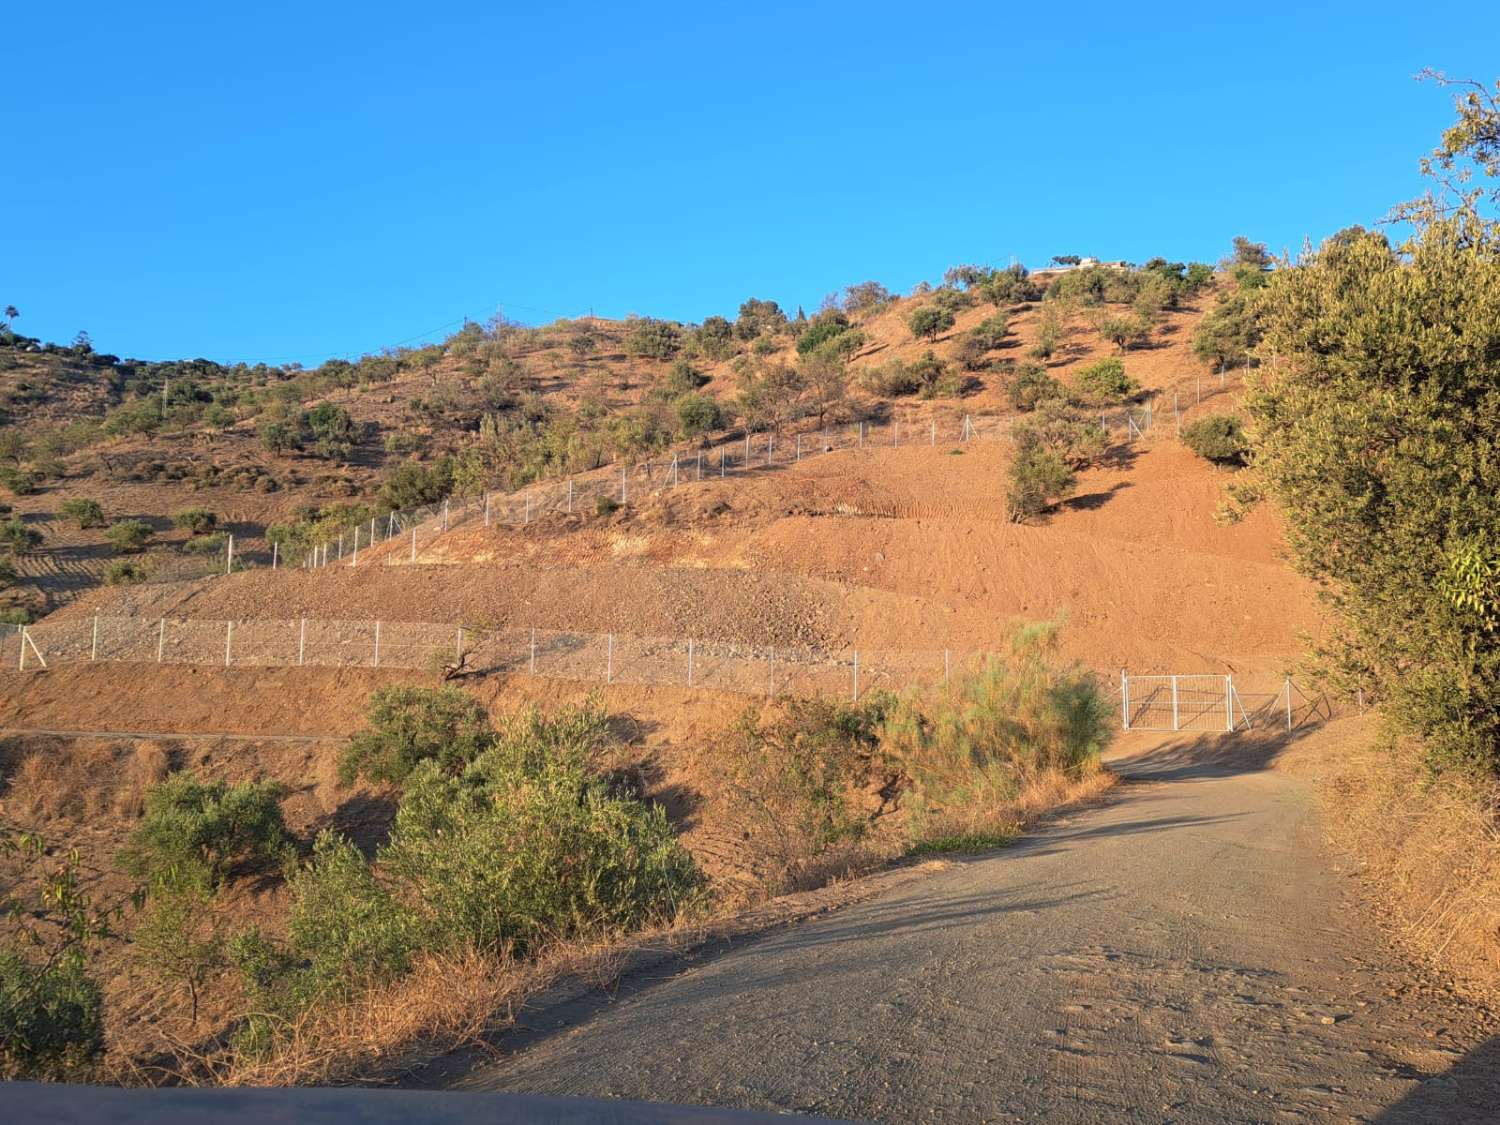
83 782
1429 847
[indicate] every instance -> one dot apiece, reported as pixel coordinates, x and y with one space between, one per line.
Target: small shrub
1038 478
21 482
890 379
682 378
8 574
412 484
1219 438
411 725
195 832
1031 385
606 505
128 535
206 544
51 1016
697 415
280 435
1125 331
656 339
828 326
1103 381
15 616
18 537
85 513
124 572
200 521
929 321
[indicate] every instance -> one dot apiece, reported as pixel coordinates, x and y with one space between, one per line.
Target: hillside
891 550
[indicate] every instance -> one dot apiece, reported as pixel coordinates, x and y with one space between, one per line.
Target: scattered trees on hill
17 537
200 521
128 535
759 318
867 296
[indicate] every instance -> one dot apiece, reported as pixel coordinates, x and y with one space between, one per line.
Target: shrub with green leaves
194 832
656 339
21 482
1039 477
51 1016
200 521
1103 381
928 322
124 572
1031 385
1219 438
826 327
412 484
697 415
281 435
18 537
128 535
85 513
412 725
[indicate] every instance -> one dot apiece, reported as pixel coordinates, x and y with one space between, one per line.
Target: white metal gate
1194 702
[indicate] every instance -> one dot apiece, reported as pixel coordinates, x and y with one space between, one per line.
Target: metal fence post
161 638
228 640
622 484
275 554
229 555
570 496
459 652
747 449
799 447
1229 703
302 643
934 431
354 560
94 648
414 543
21 664
1175 723
341 545
1124 699
445 515
486 508
700 464
377 644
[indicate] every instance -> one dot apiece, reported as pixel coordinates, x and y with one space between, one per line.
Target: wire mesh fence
1200 702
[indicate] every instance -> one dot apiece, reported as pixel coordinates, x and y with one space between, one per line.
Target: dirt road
1185 953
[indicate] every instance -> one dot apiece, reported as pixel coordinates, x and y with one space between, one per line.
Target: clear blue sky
279 181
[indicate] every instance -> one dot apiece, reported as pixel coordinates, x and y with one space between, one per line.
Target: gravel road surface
1187 952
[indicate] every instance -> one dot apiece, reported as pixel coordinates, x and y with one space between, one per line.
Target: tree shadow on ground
1090 501
1469 1092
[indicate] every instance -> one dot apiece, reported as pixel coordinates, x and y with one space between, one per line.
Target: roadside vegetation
515 848
1376 431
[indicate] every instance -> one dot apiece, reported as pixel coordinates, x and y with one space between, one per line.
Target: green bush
51 1016
1103 381
333 431
989 733
697 415
1038 478
826 327
530 843
8 574
929 321
656 339
200 521
412 484
124 572
279 435
193 832
682 378
1031 385
18 537
128 535
206 544
85 513
1219 438
412 725
21 482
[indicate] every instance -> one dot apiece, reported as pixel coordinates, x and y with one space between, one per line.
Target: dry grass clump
84 781
1430 844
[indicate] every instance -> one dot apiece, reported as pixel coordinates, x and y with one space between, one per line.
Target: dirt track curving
1185 953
